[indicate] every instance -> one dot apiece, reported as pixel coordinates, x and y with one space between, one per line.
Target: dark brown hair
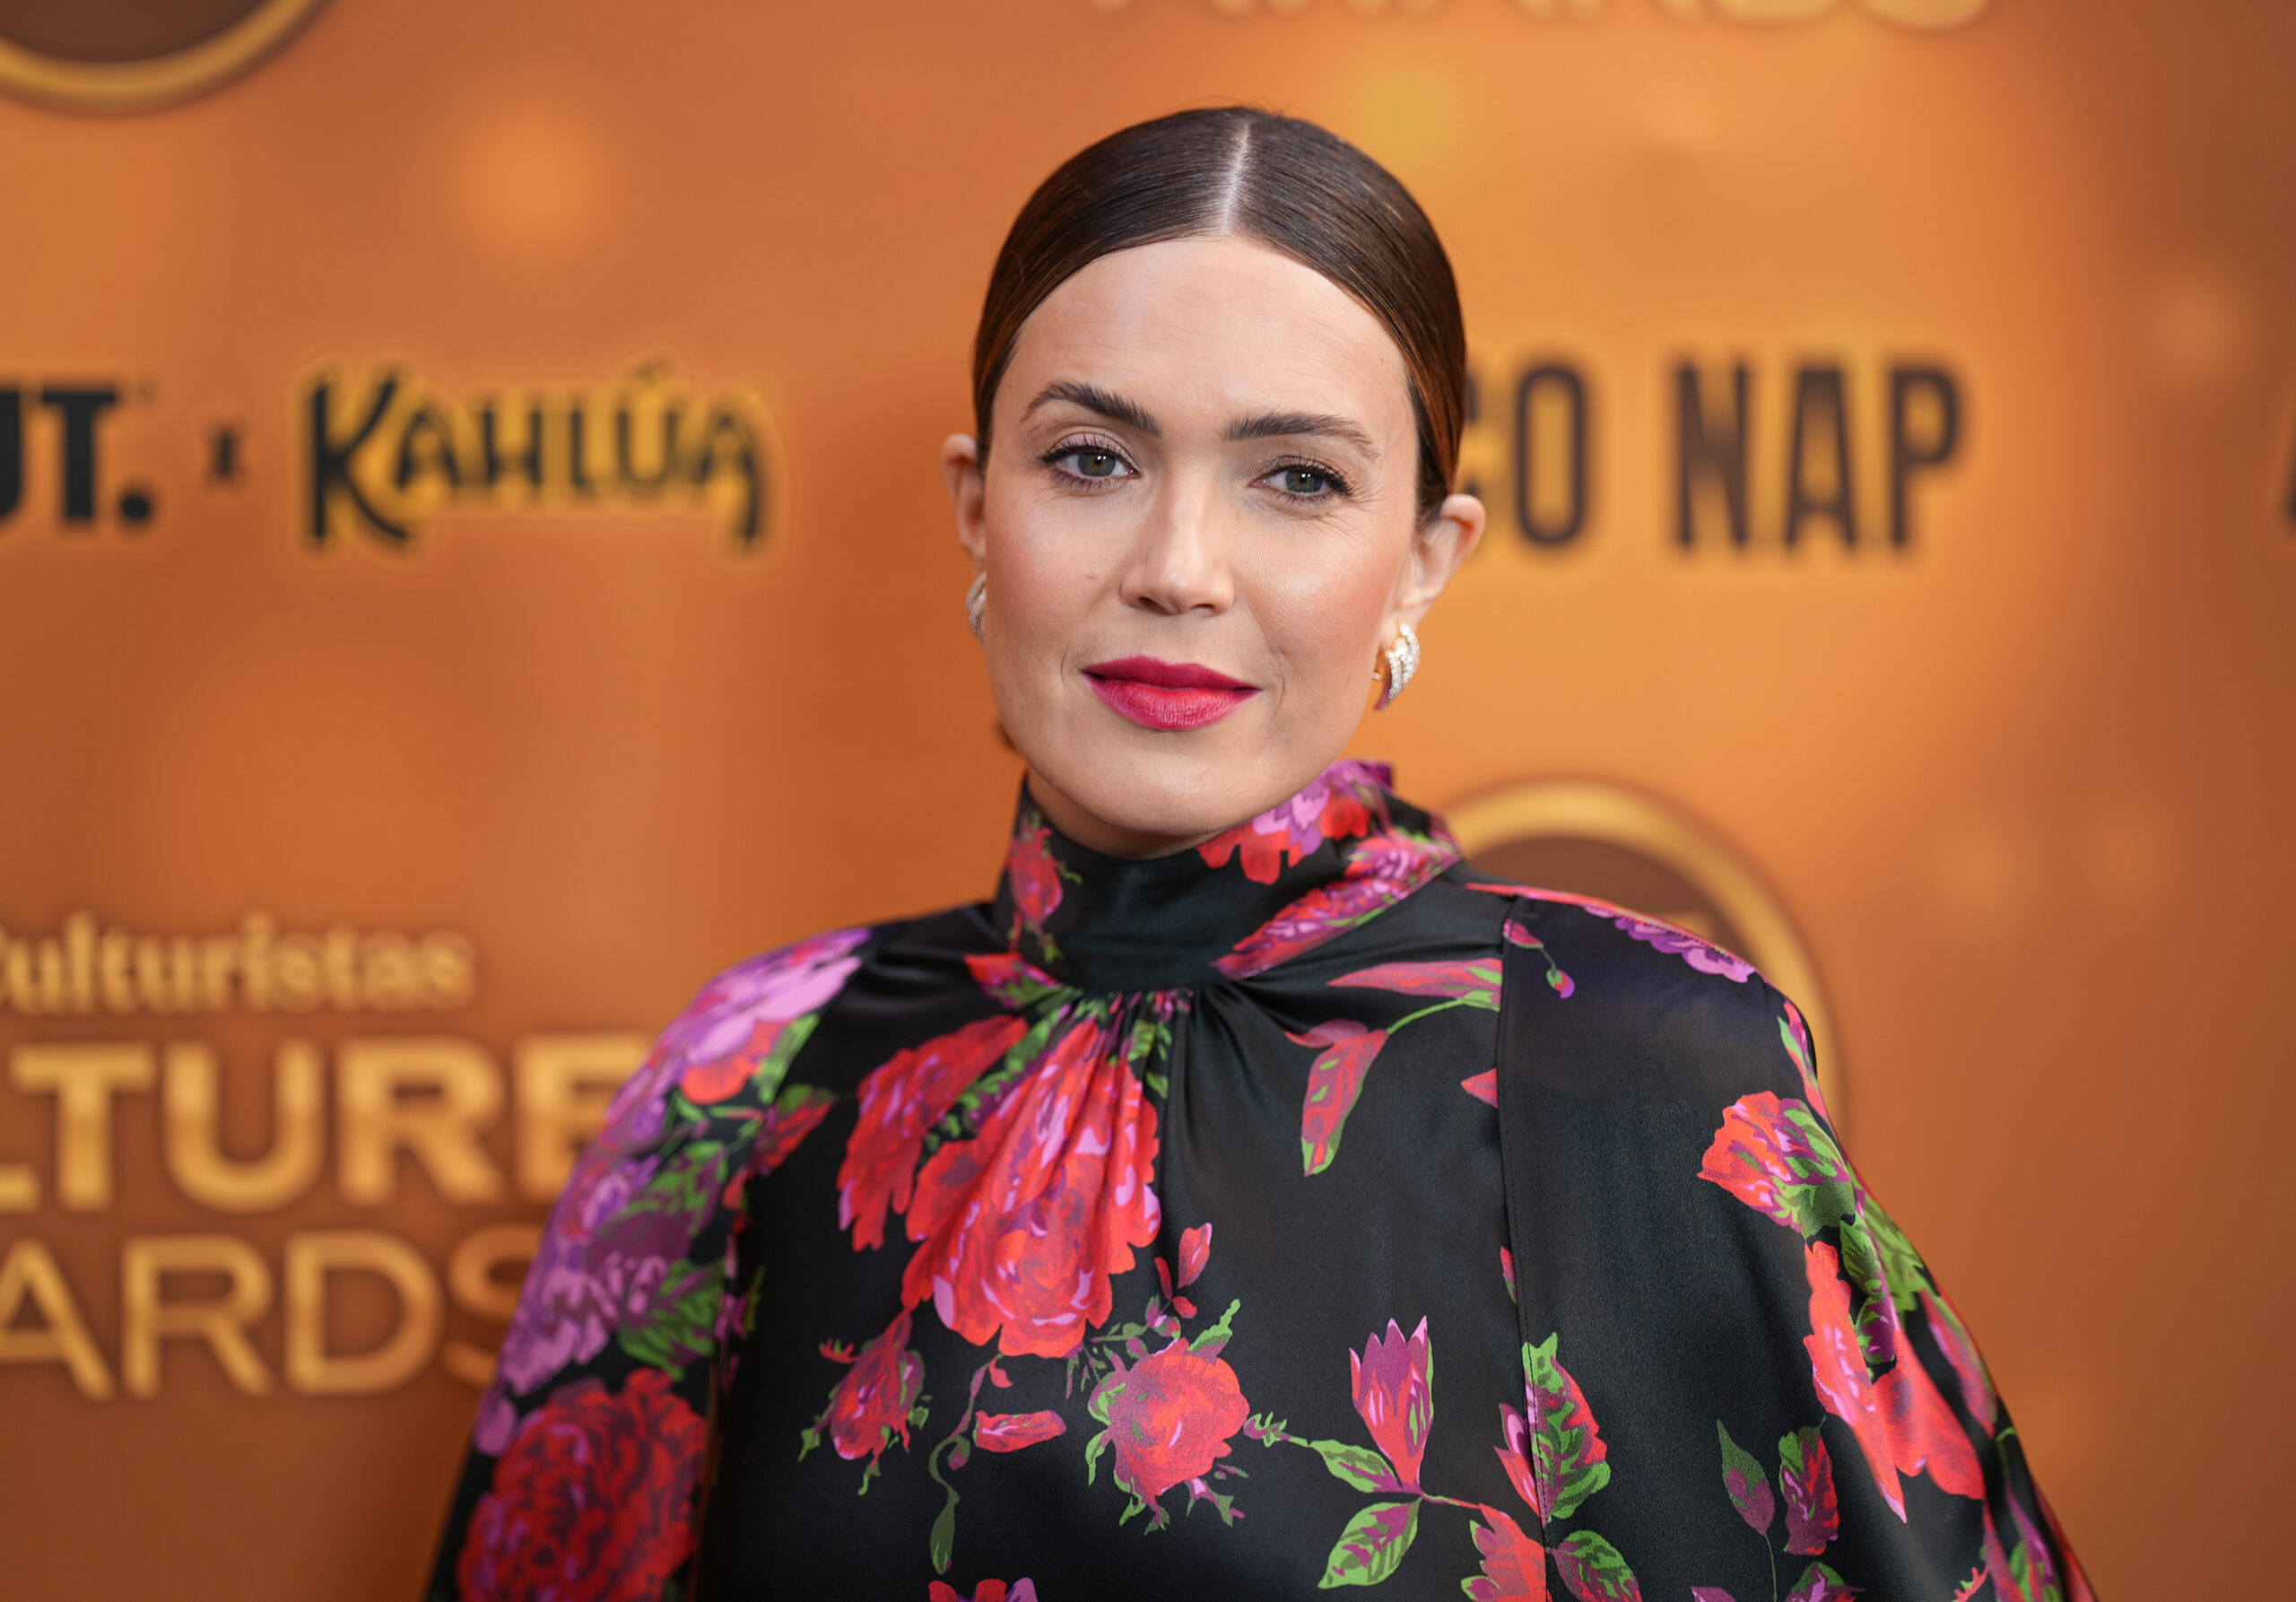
1237 171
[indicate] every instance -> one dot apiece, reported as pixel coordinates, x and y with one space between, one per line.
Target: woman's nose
1179 564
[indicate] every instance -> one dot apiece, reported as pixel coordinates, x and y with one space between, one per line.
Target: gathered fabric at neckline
1328 859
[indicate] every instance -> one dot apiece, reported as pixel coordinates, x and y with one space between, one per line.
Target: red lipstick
1166 695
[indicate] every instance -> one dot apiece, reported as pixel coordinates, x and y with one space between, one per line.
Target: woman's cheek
1033 613
1325 632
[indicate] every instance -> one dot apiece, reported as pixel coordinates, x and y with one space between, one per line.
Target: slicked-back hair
1239 172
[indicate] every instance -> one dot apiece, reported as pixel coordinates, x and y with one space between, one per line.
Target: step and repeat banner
472 563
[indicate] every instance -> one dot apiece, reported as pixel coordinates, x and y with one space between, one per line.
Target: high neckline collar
1343 850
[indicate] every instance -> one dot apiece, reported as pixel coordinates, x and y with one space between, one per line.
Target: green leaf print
1359 1466
1594 1571
680 1326
1567 1446
1372 1545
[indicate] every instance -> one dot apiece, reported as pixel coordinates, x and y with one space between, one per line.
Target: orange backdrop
2023 782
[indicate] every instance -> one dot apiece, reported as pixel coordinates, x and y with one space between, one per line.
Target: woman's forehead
1209 331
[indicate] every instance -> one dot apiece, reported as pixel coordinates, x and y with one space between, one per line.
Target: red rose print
900 1101
872 1403
1021 1227
593 1500
1010 1431
1168 1419
1395 1391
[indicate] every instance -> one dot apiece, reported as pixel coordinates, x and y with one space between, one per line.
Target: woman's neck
1097 834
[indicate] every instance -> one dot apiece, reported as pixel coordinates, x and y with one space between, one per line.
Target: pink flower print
1393 1382
1482 1087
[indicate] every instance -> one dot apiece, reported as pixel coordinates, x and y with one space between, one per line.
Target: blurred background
472 563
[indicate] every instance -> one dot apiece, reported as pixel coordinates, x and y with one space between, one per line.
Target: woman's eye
1089 462
1303 480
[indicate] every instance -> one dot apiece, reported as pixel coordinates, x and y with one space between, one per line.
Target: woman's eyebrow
1114 408
1269 425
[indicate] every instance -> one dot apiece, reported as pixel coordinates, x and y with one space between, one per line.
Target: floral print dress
1100 1241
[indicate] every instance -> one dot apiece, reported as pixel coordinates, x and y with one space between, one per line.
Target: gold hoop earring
1402 662
977 602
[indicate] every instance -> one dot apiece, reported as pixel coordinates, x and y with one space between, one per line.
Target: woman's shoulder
1663 1010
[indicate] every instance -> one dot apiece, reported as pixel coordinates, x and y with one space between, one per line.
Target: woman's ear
1437 551
960 470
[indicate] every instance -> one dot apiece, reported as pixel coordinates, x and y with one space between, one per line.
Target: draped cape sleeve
1741 1380
585 1470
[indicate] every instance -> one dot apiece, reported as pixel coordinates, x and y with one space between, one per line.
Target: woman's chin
1130 802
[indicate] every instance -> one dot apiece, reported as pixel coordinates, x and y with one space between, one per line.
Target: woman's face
1198 525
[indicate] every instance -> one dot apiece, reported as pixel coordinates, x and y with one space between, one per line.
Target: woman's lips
1166 695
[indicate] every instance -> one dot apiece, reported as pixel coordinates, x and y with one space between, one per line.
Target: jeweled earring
977 604
1402 661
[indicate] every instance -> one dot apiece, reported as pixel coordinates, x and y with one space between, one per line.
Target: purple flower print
743 1007
773 988
1702 955
588 1273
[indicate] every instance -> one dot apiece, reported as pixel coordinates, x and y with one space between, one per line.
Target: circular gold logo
135 54
1598 839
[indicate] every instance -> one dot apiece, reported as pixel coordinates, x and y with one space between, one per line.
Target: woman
1098 1241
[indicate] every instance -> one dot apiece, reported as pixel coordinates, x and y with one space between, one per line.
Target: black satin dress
1101 1240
